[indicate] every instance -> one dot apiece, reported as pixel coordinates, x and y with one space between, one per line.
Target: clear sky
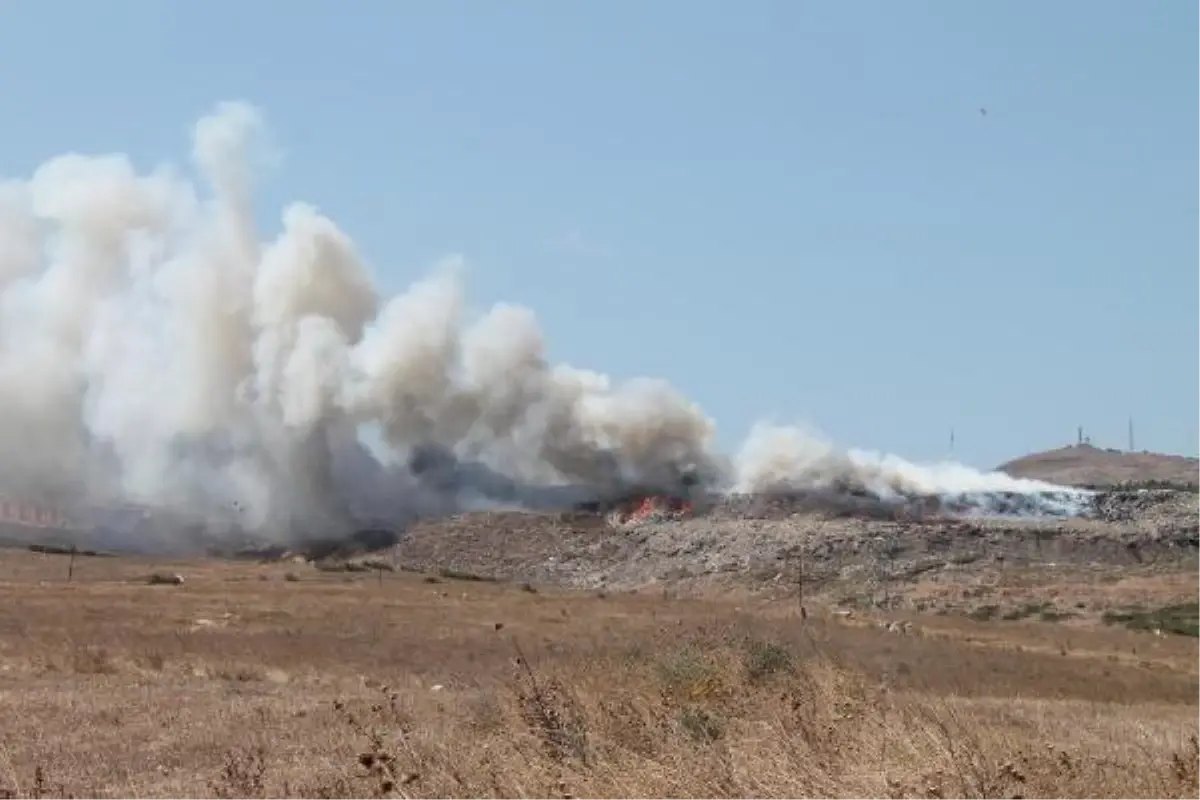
789 209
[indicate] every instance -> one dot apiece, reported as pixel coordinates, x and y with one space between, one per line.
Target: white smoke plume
789 458
154 351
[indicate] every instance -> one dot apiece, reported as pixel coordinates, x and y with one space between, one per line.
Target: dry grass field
253 680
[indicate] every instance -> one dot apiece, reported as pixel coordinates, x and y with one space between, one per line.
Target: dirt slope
1085 465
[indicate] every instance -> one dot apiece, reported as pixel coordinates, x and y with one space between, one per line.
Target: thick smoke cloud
153 350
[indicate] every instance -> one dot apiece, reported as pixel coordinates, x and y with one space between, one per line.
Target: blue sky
789 209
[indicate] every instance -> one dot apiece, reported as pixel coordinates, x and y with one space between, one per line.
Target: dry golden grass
244 682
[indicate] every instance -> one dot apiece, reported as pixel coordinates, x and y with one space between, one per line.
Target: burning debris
645 508
650 508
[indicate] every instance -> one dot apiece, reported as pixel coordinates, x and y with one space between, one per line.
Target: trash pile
1127 505
650 508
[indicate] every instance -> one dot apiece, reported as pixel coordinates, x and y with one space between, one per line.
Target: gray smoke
154 351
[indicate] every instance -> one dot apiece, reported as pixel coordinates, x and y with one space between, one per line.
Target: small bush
984 613
689 674
451 574
343 566
1025 611
701 725
1054 615
762 659
1182 619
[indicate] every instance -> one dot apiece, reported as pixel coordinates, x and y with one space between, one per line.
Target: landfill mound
514 546
752 540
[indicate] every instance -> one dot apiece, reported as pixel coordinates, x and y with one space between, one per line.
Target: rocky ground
766 544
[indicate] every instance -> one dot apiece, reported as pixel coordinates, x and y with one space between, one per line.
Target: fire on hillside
645 508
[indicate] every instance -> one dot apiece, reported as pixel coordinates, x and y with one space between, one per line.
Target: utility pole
800 586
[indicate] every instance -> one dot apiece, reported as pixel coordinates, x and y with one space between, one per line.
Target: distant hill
1086 465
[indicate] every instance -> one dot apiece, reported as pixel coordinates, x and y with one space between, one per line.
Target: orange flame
668 507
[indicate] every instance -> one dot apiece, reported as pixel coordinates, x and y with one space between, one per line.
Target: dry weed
395 688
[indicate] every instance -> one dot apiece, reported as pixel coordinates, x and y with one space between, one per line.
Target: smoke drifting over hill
154 350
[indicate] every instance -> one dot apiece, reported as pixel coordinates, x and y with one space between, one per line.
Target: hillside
1086 465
